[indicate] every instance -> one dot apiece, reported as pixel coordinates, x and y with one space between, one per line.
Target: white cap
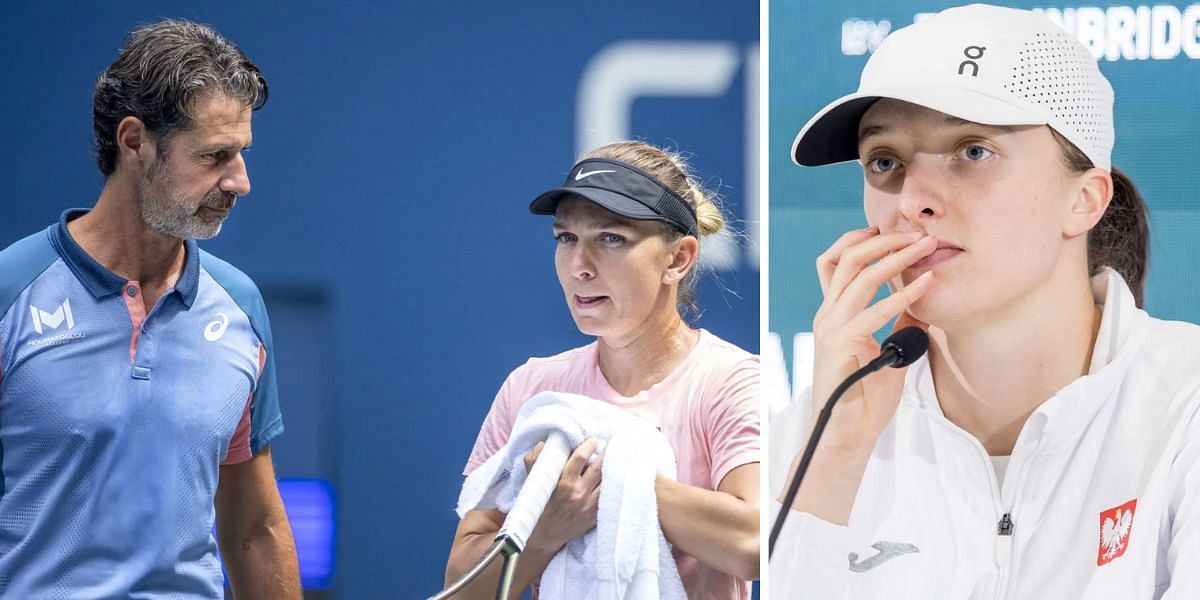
981 63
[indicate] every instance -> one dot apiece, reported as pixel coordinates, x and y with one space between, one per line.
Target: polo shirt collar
101 282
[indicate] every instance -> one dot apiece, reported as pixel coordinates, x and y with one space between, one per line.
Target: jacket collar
1062 418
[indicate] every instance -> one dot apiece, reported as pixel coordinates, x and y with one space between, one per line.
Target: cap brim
547 203
831 136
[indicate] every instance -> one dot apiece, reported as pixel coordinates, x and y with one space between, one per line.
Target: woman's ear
683 257
1093 191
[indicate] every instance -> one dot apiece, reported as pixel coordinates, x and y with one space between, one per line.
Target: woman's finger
859 292
906 319
578 460
859 256
876 316
827 261
591 501
532 456
591 477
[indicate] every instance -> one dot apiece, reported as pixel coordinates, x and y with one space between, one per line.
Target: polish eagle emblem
1115 527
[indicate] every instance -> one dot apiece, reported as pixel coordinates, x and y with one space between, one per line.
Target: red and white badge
1115 527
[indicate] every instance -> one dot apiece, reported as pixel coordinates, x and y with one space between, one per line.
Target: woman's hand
851 272
570 513
571 510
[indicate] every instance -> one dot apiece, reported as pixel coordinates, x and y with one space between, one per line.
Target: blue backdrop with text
387 226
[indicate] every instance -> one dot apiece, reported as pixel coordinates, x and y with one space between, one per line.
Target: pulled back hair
672 170
1121 239
160 71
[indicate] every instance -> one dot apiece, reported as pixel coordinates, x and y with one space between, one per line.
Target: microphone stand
900 350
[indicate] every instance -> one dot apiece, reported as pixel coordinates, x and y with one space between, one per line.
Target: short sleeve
732 421
20 265
239 445
266 420
493 434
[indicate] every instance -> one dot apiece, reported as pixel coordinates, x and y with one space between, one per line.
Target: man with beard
137 383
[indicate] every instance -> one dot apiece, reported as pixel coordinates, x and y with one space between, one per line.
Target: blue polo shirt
113 422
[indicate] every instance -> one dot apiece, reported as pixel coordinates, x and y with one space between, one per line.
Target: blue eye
882 164
612 238
564 237
976 153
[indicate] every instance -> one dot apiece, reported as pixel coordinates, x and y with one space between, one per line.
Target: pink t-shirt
707 408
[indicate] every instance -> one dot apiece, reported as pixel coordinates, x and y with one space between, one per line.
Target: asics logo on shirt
52 320
583 174
217 328
887 551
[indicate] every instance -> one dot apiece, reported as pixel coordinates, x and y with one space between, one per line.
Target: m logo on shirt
52 320
1115 527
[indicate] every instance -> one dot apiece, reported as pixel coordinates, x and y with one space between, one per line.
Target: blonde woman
629 223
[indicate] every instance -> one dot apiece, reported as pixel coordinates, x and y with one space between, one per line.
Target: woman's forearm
830 485
718 528
469 546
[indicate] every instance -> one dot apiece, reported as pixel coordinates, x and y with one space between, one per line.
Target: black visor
622 189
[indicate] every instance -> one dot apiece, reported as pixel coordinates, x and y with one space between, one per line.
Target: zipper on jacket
1006 526
1004 541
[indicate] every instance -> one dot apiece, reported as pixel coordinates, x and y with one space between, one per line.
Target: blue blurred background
387 227
1150 53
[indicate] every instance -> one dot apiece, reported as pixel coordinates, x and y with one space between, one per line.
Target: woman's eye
975 152
612 238
882 164
564 237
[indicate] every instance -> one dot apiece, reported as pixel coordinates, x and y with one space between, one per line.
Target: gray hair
157 76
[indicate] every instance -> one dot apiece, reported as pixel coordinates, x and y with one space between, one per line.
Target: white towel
626 556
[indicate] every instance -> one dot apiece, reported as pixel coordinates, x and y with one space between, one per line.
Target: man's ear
135 146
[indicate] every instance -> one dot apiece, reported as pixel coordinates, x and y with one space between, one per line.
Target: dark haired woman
1047 446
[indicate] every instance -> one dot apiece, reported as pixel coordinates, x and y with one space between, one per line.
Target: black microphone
900 349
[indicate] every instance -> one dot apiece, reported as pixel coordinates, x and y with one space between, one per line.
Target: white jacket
929 519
